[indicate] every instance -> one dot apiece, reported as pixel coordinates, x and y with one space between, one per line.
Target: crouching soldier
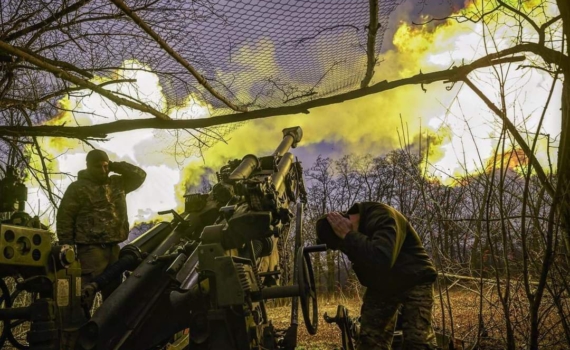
390 260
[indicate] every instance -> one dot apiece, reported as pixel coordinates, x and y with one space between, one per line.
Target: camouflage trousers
94 259
379 315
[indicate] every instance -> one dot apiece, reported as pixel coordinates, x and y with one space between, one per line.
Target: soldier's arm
66 215
132 176
381 250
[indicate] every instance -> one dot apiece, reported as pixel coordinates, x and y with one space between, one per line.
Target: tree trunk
564 147
564 162
330 273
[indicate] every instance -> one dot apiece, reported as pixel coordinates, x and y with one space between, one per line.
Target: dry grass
328 335
463 303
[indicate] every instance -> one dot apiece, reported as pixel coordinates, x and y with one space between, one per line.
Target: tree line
492 233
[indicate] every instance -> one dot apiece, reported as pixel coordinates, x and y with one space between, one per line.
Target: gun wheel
308 291
294 184
19 328
5 302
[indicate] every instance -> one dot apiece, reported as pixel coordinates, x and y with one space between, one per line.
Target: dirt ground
461 319
328 335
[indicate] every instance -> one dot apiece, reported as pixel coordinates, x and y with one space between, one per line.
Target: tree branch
513 130
564 7
102 130
81 82
42 159
547 54
520 13
373 27
10 102
546 25
302 40
199 77
57 63
33 104
56 16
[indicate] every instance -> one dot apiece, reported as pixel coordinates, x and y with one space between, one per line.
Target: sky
466 130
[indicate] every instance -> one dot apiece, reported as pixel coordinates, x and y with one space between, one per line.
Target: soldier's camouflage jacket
386 252
96 212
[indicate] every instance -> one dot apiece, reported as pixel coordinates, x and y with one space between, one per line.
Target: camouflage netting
256 54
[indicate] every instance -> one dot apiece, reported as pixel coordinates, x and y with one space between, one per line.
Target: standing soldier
390 260
93 215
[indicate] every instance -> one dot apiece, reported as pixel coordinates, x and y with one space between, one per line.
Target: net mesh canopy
250 54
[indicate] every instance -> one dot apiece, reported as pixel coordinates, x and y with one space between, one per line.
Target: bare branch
45 22
81 82
199 77
42 159
102 130
458 19
57 63
513 130
327 29
520 13
33 104
373 27
548 24
547 54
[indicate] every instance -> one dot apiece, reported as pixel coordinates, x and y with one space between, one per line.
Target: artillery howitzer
205 271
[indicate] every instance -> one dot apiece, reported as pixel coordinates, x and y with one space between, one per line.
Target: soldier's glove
88 294
326 235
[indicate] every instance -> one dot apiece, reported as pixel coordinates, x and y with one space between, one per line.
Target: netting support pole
373 27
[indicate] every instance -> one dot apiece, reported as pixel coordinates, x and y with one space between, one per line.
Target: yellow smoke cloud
369 125
372 124
512 159
149 149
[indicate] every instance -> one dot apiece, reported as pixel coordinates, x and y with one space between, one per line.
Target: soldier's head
325 232
98 164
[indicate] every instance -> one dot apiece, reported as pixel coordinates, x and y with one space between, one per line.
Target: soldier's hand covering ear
340 225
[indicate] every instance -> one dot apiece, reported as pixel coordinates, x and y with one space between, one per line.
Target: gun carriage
209 270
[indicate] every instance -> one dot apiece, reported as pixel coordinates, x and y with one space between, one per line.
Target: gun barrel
282 170
291 136
132 254
133 299
284 146
248 164
149 240
188 274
